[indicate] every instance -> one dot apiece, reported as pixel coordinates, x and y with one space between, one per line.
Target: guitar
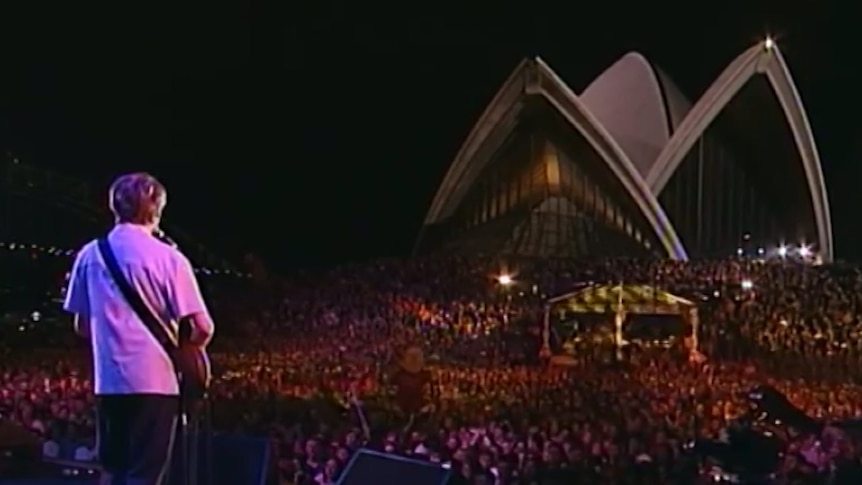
194 369
191 362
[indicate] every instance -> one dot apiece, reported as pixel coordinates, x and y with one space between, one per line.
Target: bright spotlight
739 251
504 280
761 251
804 251
747 284
769 43
782 251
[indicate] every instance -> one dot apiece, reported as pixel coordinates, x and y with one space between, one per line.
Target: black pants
135 437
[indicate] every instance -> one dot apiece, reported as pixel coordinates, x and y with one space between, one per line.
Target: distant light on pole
504 280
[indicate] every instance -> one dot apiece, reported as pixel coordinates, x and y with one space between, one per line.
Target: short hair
137 198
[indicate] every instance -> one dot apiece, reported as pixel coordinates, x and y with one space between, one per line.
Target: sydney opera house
632 167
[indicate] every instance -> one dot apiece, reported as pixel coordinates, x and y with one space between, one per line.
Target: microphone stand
163 237
192 412
200 427
194 421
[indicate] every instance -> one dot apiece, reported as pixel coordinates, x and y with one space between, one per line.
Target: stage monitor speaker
223 459
367 467
237 459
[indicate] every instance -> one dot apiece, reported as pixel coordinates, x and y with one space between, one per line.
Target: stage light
769 43
804 251
504 280
782 251
746 284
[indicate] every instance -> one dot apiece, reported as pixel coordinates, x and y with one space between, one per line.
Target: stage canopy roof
639 299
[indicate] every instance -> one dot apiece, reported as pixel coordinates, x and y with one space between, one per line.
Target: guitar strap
144 313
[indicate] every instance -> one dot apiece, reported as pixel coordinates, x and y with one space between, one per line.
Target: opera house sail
630 167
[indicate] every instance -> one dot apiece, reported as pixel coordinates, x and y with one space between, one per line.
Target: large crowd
313 363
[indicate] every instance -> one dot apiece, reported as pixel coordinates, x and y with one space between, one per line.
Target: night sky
316 132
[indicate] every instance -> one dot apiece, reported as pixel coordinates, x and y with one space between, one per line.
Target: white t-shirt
127 358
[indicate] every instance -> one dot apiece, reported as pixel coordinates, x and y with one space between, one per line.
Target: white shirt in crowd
50 449
82 453
127 357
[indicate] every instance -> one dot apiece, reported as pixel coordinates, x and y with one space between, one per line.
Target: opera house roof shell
642 126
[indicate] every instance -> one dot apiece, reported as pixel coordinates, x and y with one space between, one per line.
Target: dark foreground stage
52 473
223 459
49 481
